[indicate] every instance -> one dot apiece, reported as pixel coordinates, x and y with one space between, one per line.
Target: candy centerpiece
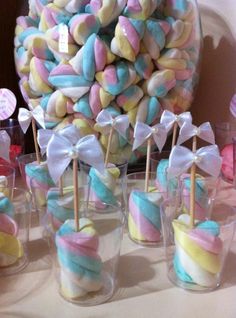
198 257
75 58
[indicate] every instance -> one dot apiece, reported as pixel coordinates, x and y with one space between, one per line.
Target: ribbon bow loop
61 150
204 131
142 132
206 158
168 119
5 142
25 117
120 123
70 132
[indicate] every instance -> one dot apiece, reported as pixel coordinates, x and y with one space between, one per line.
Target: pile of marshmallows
76 57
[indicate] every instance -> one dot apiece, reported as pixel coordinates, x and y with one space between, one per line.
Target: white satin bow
204 131
25 117
119 123
142 132
70 132
60 152
5 142
206 158
168 119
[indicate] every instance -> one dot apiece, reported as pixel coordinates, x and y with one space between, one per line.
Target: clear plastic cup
57 202
156 157
23 160
107 188
143 210
17 147
14 231
7 177
206 188
195 257
86 262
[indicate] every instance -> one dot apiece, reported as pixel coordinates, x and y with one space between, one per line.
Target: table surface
144 289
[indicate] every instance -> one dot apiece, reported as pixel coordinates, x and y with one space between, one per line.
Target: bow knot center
113 122
177 118
154 130
197 131
73 153
196 159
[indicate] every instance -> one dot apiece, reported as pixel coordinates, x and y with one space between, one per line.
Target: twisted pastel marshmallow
39 48
80 263
23 23
68 81
6 206
91 103
179 9
62 123
130 97
51 16
26 37
59 207
198 256
144 66
181 35
161 175
144 220
118 142
85 125
178 61
140 9
92 57
53 36
11 248
103 187
148 110
56 104
72 6
82 26
26 90
164 182
128 34
179 98
105 10
50 120
38 77
38 178
22 60
116 78
160 83
36 7
154 38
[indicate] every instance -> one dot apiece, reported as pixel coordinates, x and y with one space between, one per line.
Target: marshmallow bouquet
199 243
75 58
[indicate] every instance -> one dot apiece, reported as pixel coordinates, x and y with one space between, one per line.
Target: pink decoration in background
227 162
7 103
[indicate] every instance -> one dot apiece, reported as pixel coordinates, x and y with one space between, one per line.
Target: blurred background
218 71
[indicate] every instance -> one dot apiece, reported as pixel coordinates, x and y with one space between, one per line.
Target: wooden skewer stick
147 164
109 146
174 136
35 141
192 185
61 186
76 194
